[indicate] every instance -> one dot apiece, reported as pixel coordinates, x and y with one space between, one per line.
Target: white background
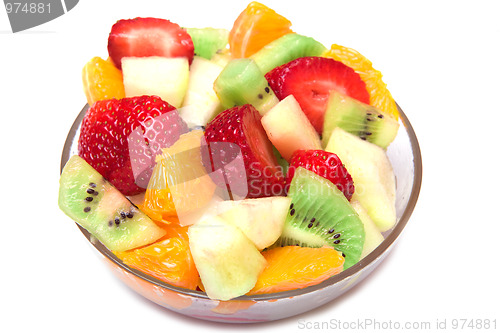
441 61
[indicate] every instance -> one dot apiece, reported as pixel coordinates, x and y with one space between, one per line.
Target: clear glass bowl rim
353 270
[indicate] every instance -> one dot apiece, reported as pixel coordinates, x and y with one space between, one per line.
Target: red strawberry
145 142
311 79
145 37
110 125
260 173
324 164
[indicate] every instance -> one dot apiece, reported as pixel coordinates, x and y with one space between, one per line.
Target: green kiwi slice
320 215
208 41
285 49
360 119
96 205
242 82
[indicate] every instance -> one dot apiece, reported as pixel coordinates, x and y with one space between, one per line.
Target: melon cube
289 129
201 103
166 78
373 236
260 219
228 262
372 173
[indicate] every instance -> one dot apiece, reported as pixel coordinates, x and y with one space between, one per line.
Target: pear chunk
373 236
372 173
228 262
201 104
261 219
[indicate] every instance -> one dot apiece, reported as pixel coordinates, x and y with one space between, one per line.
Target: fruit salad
235 162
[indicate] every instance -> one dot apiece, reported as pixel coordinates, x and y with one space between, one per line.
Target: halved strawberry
145 37
236 134
311 79
118 136
145 142
325 164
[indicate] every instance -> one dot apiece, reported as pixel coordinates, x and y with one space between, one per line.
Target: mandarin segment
255 27
380 97
102 80
162 296
169 259
294 267
158 204
179 184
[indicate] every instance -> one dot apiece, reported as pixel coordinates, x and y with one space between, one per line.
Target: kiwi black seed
93 198
121 218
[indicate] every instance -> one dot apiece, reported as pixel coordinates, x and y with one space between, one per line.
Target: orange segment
380 97
158 203
164 297
169 259
254 28
179 184
294 267
102 80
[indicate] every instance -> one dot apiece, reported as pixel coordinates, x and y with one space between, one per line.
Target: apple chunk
373 236
261 219
228 262
372 174
201 103
289 129
167 78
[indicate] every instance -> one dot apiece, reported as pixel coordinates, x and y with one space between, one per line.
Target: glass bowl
404 154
